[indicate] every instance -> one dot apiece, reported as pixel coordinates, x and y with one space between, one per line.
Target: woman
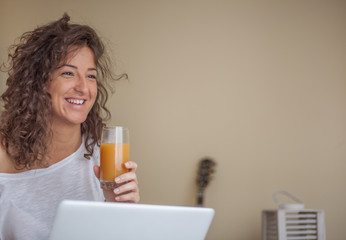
51 126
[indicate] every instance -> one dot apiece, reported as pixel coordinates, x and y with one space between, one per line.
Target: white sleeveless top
29 200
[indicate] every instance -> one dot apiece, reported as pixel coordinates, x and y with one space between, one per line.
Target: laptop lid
127 221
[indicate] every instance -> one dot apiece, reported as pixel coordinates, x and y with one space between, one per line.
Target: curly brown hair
25 124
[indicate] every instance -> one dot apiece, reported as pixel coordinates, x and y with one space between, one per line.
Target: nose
81 84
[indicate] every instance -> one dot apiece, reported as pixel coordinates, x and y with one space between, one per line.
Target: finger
132 197
131 166
125 188
126 177
97 171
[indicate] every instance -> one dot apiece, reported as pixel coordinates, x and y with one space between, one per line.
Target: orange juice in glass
115 151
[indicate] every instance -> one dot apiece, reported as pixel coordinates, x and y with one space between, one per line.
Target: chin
77 121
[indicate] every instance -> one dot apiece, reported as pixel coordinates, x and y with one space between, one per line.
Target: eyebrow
73 66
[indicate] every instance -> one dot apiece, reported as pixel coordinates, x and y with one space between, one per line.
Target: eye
67 73
92 76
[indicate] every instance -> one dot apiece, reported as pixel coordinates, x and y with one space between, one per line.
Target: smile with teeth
75 101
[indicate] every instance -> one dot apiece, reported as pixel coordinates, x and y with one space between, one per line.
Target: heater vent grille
293 225
301 225
271 226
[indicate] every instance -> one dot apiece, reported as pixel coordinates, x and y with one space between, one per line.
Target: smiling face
73 88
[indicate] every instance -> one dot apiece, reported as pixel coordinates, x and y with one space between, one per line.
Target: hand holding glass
115 151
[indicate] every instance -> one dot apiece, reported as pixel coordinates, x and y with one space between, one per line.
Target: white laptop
127 221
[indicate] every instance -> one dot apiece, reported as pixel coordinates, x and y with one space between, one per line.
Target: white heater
292 222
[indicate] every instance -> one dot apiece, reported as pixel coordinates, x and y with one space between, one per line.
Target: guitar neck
200 197
206 168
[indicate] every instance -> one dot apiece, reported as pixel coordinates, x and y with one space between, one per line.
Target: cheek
93 91
56 87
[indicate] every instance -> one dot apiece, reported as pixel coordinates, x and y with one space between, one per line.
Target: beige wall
260 86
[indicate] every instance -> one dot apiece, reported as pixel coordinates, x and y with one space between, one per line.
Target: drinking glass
115 151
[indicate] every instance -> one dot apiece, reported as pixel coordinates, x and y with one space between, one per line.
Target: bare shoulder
6 165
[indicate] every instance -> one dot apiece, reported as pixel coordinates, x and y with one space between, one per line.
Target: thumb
97 171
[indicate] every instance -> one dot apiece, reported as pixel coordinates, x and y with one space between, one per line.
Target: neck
66 140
